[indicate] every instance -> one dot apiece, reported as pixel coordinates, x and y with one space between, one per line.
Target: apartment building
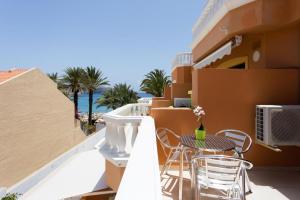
244 53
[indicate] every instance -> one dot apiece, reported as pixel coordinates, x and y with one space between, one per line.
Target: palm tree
71 82
53 76
121 94
154 82
92 79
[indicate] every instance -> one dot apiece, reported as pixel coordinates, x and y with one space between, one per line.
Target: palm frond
154 82
121 94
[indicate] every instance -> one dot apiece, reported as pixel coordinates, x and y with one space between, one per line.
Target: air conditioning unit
182 102
278 125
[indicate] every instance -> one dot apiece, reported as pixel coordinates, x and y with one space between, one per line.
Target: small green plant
11 196
89 129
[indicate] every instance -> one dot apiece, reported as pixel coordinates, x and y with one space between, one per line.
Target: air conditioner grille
285 126
260 124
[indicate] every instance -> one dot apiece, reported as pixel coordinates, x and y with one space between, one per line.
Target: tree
92 79
154 82
53 76
121 94
71 82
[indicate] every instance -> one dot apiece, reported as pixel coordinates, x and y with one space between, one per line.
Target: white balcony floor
275 184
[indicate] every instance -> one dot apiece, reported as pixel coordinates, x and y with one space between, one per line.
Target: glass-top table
212 143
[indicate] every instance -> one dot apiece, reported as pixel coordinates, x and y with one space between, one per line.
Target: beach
83 104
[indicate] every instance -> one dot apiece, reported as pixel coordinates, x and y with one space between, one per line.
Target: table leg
180 174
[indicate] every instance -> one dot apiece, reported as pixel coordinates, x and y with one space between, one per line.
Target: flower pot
200 134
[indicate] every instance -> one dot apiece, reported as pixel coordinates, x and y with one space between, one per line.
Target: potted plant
200 132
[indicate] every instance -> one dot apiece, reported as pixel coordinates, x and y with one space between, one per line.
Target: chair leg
163 169
248 182
243 184
189 163
166 163
196 192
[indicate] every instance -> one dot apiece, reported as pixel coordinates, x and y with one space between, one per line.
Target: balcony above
182 59
212 13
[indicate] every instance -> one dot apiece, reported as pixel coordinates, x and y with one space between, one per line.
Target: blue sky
124 38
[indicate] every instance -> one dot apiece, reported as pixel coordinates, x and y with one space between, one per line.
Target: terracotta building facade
248 56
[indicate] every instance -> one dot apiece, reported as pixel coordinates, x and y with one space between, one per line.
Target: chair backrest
224 170
241 139
162 135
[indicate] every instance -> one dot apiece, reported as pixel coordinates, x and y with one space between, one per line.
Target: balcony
267 183
141 179
122 127
212 13
182 59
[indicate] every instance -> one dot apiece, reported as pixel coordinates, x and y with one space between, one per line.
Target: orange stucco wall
259 16
278 48
181 120
164 101
229 98
161 103
167 92
181 90
182 74
113 175
182 82
283 47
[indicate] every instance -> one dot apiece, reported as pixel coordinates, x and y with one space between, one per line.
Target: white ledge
141 179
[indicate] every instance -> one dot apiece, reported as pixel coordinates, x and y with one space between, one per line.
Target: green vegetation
92 79
121 94
76 80
71 81
53 77
88 129
154 82
11 196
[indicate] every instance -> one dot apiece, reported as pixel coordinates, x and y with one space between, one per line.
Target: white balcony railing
122 127
141 179
147 100
212 13
131 142
183 59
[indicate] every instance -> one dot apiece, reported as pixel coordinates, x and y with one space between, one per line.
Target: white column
114 136
121 139
135 129
108 134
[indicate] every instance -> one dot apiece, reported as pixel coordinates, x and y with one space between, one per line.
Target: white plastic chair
243 143
172 152
218 176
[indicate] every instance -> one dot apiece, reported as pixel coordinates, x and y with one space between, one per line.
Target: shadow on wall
229 98
180 120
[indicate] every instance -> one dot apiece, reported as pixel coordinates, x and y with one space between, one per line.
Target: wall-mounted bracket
274 148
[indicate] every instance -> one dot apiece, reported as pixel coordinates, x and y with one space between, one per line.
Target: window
235 63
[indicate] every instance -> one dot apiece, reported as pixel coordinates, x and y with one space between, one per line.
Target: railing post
122 126
135 129
121 139
111 136
108 135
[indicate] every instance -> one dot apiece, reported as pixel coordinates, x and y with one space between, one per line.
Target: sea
83 102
